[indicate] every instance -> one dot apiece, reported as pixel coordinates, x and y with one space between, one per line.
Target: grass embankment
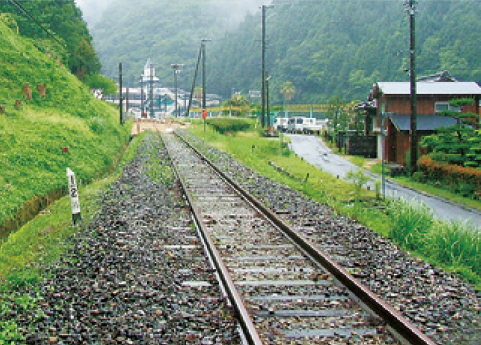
41 241
32 137
456 247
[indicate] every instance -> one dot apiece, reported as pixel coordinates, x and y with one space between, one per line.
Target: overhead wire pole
195 78
203 41
176 70
121 96
263 62
411 10
151 91
204 105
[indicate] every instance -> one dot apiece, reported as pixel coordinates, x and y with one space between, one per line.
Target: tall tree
288 90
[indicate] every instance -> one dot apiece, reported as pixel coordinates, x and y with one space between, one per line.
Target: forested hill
55 27
325 48
341 48
168 32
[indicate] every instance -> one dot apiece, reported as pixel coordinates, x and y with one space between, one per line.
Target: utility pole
142 96
203 41
176 71
263 61
120 98
267 102
127 105
151 91
411 10
195 78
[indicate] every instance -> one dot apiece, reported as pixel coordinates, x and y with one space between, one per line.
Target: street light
176 71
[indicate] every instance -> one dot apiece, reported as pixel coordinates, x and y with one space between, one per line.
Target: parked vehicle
296 124
312 125
280 124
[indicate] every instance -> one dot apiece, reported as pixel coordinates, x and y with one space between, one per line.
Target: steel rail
244 317
404 328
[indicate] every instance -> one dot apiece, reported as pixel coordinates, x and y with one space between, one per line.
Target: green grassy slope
32 163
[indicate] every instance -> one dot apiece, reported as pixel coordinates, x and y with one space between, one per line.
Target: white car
296 124
280 124
312 125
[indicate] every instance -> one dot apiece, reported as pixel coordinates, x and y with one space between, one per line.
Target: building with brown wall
393 111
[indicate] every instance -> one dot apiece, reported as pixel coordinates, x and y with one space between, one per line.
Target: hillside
32 162
63 33
165 31
324 47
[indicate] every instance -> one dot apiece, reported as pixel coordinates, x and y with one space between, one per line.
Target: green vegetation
25 253
34 135
455 247
255 151
229 125
166 31
323 48
73 45
459 144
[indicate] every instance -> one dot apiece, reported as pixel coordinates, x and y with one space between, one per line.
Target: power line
20 7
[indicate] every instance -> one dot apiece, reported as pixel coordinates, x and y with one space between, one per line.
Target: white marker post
73 192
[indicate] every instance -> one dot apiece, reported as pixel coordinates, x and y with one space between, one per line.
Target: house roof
430 88
442 76
424 122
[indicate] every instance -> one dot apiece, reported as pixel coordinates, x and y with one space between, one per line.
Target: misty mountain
324 47
165 31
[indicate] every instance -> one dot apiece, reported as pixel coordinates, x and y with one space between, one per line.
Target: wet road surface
314 151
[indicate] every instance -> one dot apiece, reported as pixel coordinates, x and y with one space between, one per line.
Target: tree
84 60
238 101
97 81
288 90
456 144
198 92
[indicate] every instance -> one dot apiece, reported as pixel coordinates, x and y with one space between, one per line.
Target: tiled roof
430 88
424 122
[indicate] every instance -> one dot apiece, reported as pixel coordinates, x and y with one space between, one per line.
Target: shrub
223 125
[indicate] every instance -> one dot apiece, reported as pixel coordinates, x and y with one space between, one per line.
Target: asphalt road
314 151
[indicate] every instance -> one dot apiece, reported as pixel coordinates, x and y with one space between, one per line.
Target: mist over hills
324 47
167 32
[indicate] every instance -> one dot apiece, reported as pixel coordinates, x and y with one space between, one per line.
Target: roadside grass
455 247
408 182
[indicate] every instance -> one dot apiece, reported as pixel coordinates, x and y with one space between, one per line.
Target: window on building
442 106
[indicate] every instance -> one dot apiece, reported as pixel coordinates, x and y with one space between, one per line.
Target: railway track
284 290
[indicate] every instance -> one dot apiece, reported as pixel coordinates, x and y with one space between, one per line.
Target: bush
459 179
223 125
